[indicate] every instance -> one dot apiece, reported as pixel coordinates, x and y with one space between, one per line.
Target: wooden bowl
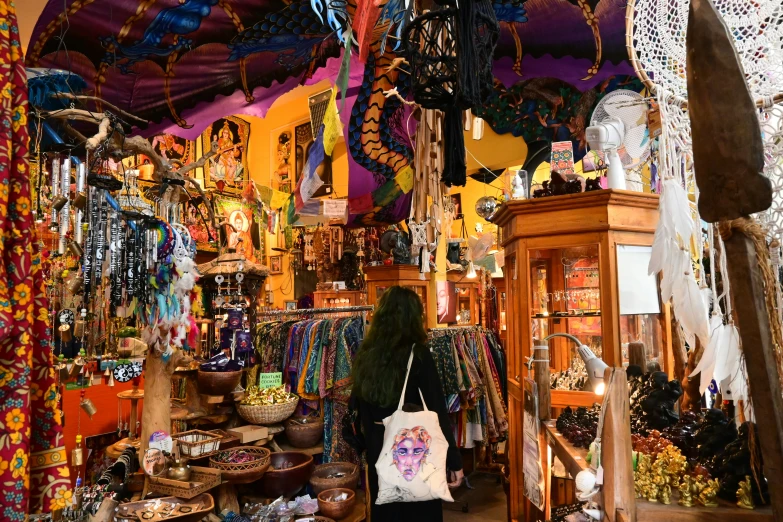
334 475
278 482
336 509
304 435
218 383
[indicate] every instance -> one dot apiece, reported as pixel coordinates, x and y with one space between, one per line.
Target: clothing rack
313 311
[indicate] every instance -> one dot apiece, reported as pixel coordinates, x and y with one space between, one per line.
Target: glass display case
468 311
577 265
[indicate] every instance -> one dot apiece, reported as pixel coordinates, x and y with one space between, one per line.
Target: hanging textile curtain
33 466
315 357
471 367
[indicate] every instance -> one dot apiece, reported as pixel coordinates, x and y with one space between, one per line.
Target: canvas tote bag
412 464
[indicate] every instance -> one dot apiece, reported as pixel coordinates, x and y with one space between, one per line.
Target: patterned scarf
33 465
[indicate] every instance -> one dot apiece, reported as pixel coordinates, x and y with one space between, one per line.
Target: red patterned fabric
33 468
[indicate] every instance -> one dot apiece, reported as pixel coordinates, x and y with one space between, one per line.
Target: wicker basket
336 509
322 478
244 472
304 435
267 413
201 480
196 443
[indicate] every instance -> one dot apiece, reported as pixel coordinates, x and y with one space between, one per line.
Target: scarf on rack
33 465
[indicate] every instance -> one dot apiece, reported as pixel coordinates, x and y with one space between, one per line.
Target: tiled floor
486 502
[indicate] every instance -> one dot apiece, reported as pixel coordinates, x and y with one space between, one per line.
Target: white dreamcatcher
656 33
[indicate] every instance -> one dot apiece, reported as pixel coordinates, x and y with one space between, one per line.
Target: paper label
270 380
562 157
335 207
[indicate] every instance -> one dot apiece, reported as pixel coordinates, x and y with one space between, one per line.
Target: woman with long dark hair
378 375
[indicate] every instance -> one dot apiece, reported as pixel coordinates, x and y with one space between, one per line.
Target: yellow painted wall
288 110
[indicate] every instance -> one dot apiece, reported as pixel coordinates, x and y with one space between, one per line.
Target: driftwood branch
201 162
104 129
113 108
118 142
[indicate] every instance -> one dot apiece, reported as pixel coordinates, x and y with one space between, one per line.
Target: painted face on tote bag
411 447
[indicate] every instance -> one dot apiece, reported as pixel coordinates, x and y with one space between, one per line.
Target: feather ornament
690 309
706 364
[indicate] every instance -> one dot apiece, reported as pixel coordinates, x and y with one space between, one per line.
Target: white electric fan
618 129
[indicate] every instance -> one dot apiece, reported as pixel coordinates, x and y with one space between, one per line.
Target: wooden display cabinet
337 298
561 271
379 278
501 299
467 297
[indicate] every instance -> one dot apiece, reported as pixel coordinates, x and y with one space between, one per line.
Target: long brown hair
379 367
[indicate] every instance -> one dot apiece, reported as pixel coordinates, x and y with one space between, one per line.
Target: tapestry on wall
244 231
227 171
177 151
549 110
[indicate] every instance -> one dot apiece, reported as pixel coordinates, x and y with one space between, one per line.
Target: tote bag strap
405 385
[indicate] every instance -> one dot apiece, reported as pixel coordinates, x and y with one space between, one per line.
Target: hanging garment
33 464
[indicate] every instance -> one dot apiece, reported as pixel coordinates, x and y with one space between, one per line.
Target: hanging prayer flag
332 125
345 68
310 181
364 21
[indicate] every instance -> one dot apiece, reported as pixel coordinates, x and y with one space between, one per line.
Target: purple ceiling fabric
183 64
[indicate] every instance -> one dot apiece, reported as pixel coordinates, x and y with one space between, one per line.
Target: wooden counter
727 511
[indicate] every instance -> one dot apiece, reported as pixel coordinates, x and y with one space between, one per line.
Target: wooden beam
618 489
747 290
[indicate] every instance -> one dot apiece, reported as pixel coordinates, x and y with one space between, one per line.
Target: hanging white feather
689 305
731 376
706 364
680 210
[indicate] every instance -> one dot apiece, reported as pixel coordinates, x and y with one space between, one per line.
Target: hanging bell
75 249
80 200
77 454
78 328
88 406
111 379
59 202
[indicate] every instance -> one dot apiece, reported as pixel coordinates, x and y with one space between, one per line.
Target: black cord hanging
450 53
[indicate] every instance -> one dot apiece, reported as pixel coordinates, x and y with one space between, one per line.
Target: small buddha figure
745 494
686 491
709 493
665 494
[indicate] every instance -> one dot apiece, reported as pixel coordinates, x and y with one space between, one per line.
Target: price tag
270 380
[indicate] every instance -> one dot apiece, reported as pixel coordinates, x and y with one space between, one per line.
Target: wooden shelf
728 512
573 398
574 459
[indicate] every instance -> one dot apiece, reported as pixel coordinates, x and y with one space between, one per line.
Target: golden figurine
709 493
686 493
745 494
665 494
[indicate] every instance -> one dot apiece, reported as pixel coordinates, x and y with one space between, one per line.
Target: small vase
179 470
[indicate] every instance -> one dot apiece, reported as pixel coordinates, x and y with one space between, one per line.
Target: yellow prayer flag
332 124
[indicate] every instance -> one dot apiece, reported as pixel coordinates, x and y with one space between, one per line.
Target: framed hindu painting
227 171
196 219
282 160
242 231
303 142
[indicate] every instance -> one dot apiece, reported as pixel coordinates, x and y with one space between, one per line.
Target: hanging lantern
486 207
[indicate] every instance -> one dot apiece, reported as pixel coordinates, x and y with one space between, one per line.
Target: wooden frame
378 278
605 218
275 265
